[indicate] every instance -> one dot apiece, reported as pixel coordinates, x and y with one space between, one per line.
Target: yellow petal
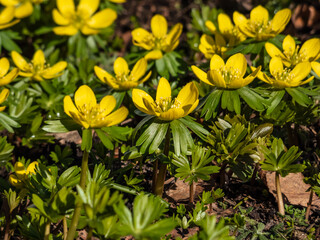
69 107
7 15
66 7
145 78
4 66
225 24
31 169
280 20
159 26
316 67
259 15
3 26
139 69
54 71
188 94
239 19
59 19
216 62
9 77
19 170
118 1
10 2
153 55
141 38
117 116
120 67
14 181
2 108
172 114
306 81
275 66
262 76
174 35
4 95
201 75
301 71
38 59
88 7
289 46
102 19
105 77
139 97
273 51
238 61
220 41
85 96
19 61
246 81
163 89
24 10
210 25
86 30
67 30
107 104
215 77
127 85
311 49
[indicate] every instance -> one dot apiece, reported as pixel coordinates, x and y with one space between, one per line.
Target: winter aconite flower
37 69
292 55
164 107
21 173
5 77
23 8
83 18
229 75
3 96
230 32
90 114
158 41
209 46
286 78
124 79
258 26
6 18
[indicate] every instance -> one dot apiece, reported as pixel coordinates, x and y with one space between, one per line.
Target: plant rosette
167 114
229 85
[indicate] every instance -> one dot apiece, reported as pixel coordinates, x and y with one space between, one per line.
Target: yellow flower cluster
21 173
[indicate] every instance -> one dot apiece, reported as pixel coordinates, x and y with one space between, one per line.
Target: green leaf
254 100
275 100
197 128
299 96
158 138
262 131
60 126
211 103
7 122
104 139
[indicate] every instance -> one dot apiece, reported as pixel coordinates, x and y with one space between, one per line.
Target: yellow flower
90 114
286 78
159 40
209 47
164 107
6 18
5 77
291 55
124 79
118 1
83 18
229 31
37 69
21 173
23 8
227 75
3 96
259 26
316 67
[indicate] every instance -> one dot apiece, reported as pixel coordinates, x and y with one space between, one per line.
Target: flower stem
191 191
155 174
279 195
77 210
162 168
47 230
309 205
65 228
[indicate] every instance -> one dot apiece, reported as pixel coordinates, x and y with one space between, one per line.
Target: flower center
285 76
164 104
296 57
229 74
124 78
37 68
77 20
91 114
159 43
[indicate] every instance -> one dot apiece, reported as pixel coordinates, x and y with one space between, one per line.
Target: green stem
155 175
309 205
7 230
89 236
162 168
65 228
47 230
77 210
279 195
191 191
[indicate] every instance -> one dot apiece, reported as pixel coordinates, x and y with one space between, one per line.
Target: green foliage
278 160
144 222
5 151
196 169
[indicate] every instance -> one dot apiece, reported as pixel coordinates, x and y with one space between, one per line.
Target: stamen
285 76
164 104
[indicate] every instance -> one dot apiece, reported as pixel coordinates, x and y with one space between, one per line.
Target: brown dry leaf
71 137
179 191
293 189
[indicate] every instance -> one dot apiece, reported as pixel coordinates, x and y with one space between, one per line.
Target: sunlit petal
201 75
210 25
84 96
105 77
31 169
259 14
289 45
174 34
102 19
215 77
239 19
163 89
24 10
66 7
188 94
216 62
273 51
275 66
280 20
121 67
172 114
311 49
38 59
7 15
107 104
138 97
9 77
117 116
142 38
153 55
67 30
88 7
139 69
69 107
4 66
225 24
316 67
59 19
55 70
20 170
159 26
301 71
19 61
238 61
